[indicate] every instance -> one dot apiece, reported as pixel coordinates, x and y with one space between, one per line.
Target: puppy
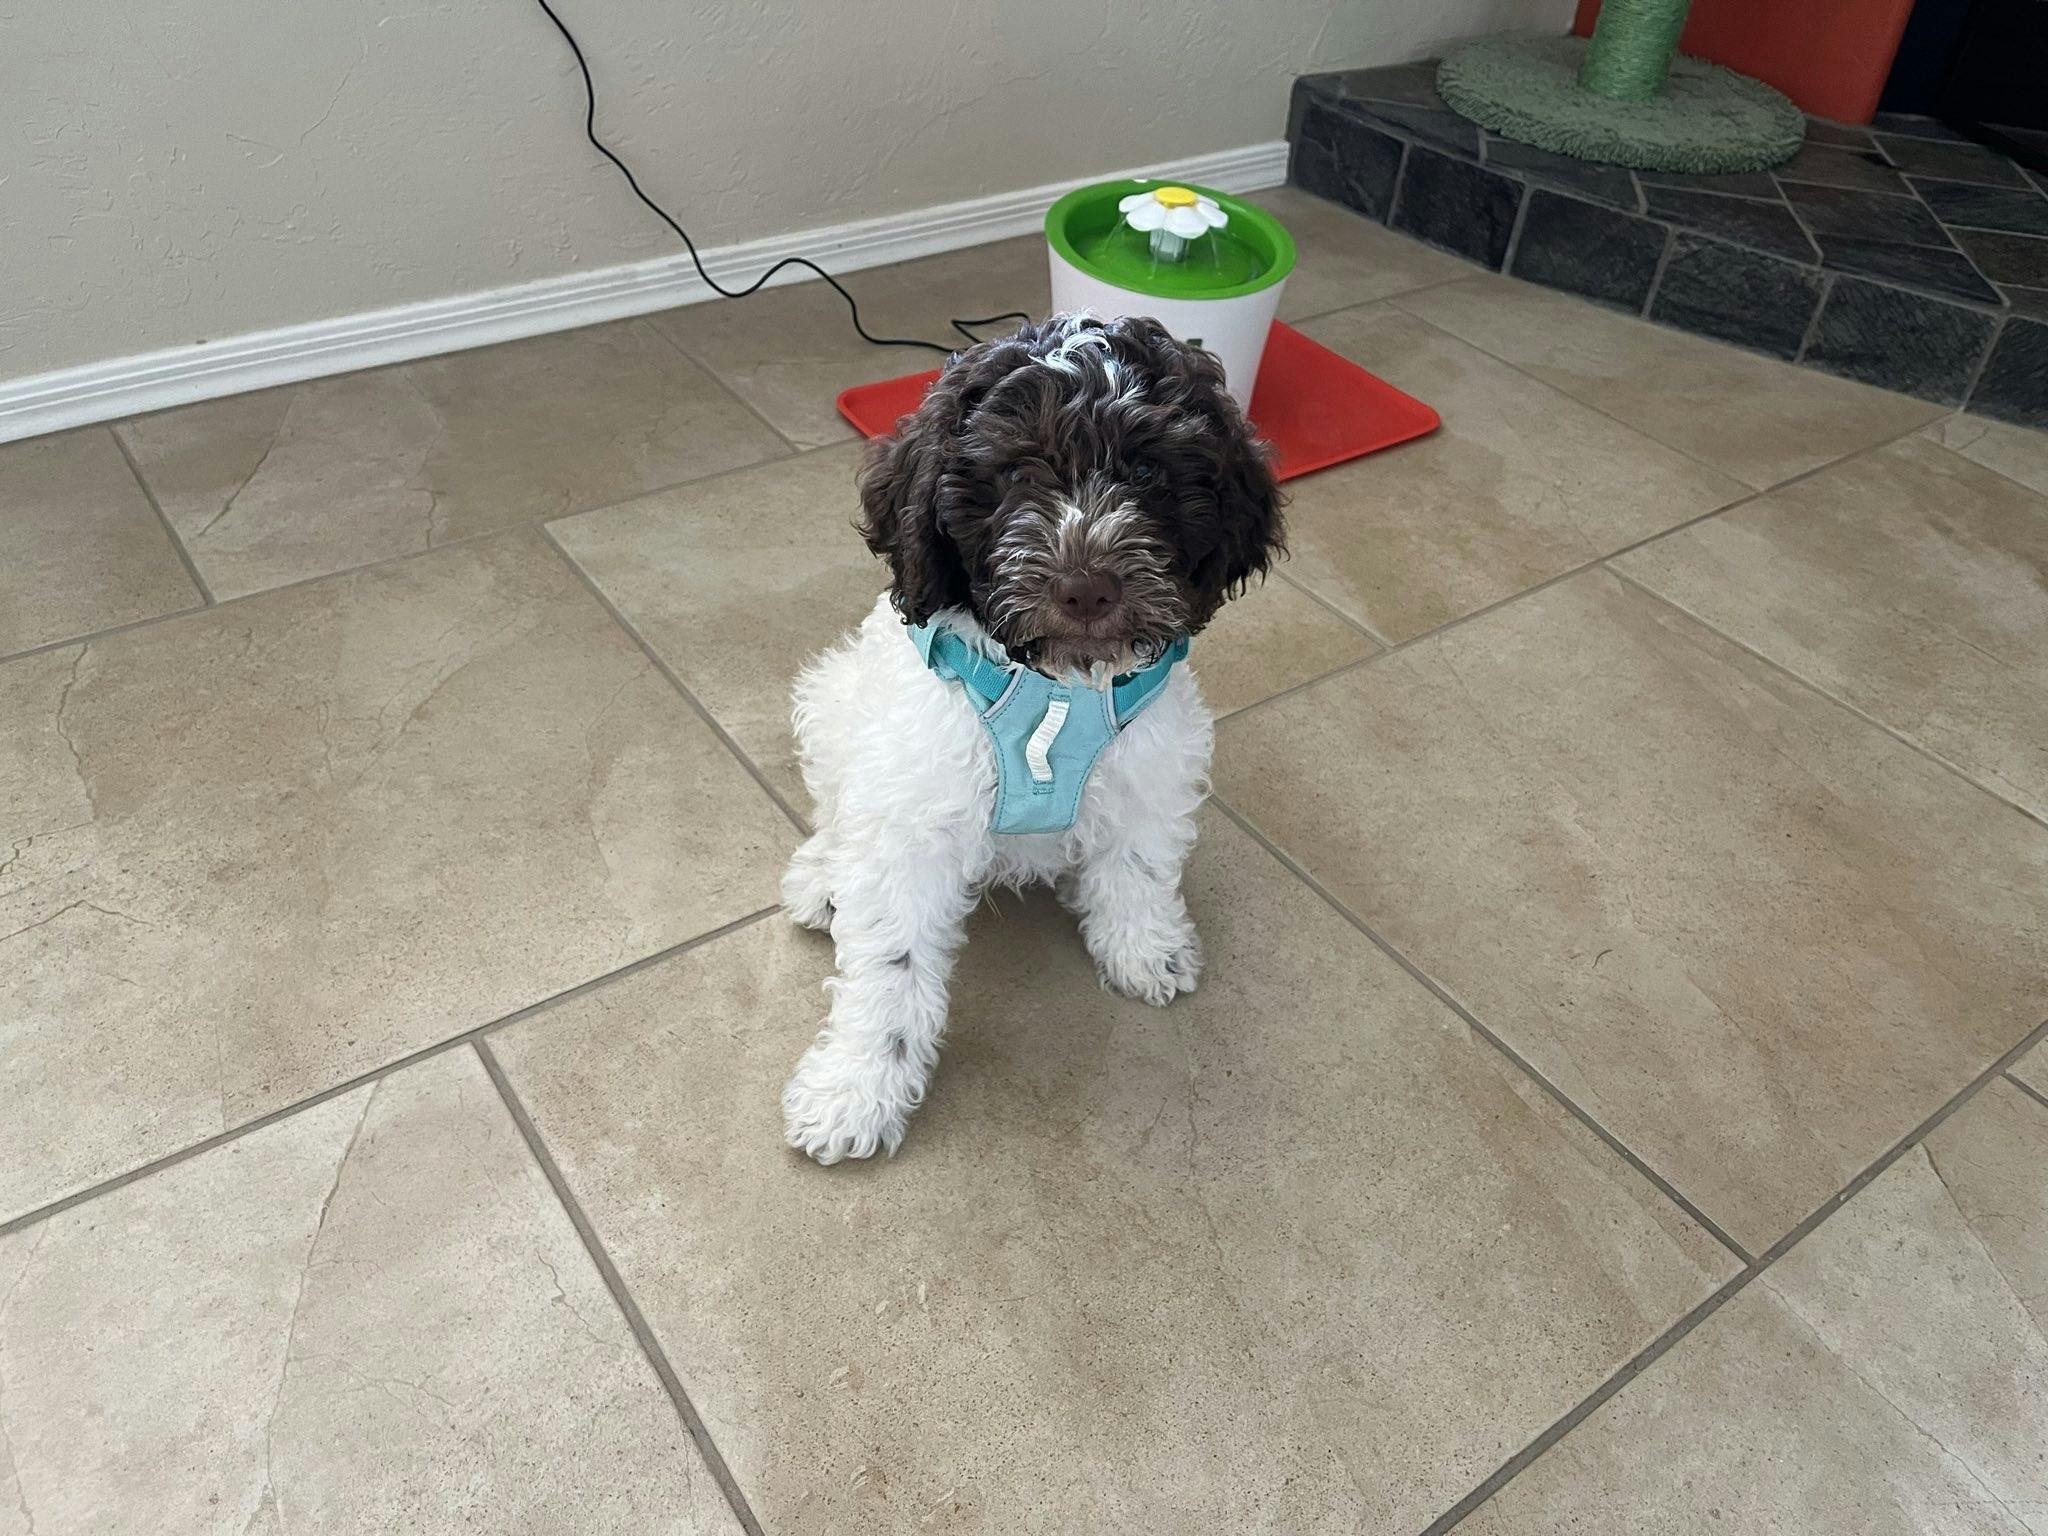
1064 511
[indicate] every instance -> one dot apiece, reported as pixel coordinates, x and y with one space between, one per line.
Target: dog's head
1085 488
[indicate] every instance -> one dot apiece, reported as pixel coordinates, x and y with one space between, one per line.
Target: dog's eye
1145 472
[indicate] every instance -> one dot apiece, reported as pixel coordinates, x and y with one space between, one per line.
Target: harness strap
1134 690
987 679
954 659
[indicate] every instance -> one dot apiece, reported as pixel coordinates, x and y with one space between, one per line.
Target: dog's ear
902 512
1250 534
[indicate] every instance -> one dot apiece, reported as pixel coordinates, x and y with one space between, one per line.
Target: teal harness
1047 734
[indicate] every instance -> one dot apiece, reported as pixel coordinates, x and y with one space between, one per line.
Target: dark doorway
1980 66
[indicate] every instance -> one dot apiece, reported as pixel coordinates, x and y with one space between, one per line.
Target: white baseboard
152 381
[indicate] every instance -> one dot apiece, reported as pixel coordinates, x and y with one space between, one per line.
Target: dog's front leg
897 924
1126 891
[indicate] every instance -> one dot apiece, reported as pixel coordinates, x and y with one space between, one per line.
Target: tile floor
1617 1099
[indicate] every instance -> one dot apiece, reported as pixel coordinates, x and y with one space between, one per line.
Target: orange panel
1830 56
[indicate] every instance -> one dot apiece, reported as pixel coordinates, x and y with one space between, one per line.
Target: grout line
303 581
1657 276
1578 570
1641 1361
283 1112
1842 186
675 682
1614 1143
2027 1088
1983 362
1298 321
1300 687
1508 1469
1820 306
1514 245
1400 186
1514 367
1913 191
636 1320
1398 646
1935 410
1324 603
1819 692
652 321
93 637
537 523
1805 226
170 532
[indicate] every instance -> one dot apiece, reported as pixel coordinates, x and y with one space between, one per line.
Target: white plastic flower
1175 210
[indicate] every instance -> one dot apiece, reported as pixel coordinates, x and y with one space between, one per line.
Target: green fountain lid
1252 251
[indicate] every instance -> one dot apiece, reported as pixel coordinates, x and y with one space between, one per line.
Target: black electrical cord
853 308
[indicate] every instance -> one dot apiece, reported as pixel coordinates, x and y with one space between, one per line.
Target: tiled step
1895 255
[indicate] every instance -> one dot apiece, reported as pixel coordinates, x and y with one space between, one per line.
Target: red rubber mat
1314 407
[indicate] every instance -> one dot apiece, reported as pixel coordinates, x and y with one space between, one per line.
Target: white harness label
1041 741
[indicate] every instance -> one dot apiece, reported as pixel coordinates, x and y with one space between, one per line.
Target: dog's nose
1087 597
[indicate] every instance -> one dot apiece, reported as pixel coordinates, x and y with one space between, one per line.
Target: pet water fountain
1207 266
1210 268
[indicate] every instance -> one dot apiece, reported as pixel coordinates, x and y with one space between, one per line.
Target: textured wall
187 169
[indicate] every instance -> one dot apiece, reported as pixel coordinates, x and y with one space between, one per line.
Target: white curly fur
903 778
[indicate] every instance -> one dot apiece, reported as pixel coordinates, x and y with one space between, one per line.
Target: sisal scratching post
1632 47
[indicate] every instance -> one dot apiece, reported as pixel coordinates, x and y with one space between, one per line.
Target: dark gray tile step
1925 267
2014 384
1414 84
2005 208
1763 226
1608 184
1951 162
1865 215
1595 252
1736 295
1757 184
1438 127
1910 342
2031 302
2021 259
1912 125
1338 157
1828 166
1820 131
1457 206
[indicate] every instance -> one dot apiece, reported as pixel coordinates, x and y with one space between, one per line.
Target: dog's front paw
837 1105
807 896
1149 971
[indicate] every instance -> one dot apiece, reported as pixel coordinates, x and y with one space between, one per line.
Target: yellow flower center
1174 197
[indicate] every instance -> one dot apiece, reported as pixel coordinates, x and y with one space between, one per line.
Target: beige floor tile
1889 1376
1300 1253
1759 420
2032 1069
738 581
1907 581
372 1316
1273 638
1519 485
788 352
272 488
2015 452
259 850
1343 258
80 549
1754 936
